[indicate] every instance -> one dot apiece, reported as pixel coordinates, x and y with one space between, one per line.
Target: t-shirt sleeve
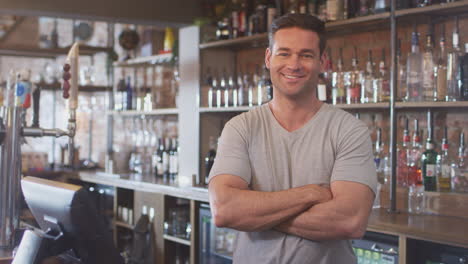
232 155
354 158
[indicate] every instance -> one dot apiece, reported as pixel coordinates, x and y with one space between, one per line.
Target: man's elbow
220 217
354 229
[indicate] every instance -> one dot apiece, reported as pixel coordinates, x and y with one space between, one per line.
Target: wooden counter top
145 184
440 229
435 228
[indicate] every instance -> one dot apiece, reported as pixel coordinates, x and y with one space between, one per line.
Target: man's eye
283 54
308 56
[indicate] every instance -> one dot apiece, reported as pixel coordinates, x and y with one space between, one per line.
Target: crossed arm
311 211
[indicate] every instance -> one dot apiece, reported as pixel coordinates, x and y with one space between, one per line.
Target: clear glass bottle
464 75
453 68
414 157
335 10
429 159
354 83
441 69
379 156
338 84
224 87
459 168
444 166
382 82
367 88
402 157
416 201
401 78
240 89
233 92
414 71
428 71
209 82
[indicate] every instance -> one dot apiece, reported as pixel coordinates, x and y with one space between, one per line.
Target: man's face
294 61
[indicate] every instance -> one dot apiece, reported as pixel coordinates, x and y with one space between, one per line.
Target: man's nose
294 63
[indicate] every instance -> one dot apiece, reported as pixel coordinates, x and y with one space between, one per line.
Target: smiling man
295 176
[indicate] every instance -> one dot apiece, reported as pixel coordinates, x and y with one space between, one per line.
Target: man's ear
323 60
267 58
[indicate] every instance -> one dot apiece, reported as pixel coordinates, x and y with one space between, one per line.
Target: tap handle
36 95
66 81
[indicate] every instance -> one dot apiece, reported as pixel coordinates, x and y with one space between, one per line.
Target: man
295 175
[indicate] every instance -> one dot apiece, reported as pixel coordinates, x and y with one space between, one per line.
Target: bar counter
433 228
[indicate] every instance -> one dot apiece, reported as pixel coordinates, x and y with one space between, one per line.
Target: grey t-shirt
332 146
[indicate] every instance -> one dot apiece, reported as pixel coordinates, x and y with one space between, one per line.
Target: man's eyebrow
301 51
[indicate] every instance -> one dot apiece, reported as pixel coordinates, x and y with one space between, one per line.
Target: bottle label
446 171
430 170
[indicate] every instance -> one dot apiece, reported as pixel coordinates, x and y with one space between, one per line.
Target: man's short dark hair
303 21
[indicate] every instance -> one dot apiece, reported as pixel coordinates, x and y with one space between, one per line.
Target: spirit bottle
414 157
240 90
441 69
382 82
464 75
226 90
414 70
429 159
379 156
353 82
335 10
459 179
402 163
233 92
338 85
428 71
444 166
210 157
367 92
453 68
402 85
219 90
210 84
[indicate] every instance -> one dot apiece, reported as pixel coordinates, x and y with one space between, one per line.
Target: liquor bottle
54 38
210 157
233 92
414 157
364 9
322 9
293 6
441 69
382 85
173 160
220 90
272 12
121 98
222 30
459 168
354 82
210 83
402 162
248 81
379 156
234 19
367 91
255 85
312 7
165 159
414 70
225 90
129 94
422 3
338 86
323 93
302 6
335 10
453 68
464 75
158 159
240 90
264 87
428 71
352 8
381 6
429 159
401 78
444 166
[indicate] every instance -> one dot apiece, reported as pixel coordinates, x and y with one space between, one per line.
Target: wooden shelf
408 105
49 53
156 59
436 9
384 106
177 240
166 111
123 224
81 88
225 109
258 40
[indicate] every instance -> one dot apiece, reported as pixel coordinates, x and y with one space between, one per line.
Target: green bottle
429 159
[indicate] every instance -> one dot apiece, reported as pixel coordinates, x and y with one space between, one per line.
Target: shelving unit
155 59
50 53
81 88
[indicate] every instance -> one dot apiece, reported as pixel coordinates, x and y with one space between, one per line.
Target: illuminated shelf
225 109
166 111
177 240
156 59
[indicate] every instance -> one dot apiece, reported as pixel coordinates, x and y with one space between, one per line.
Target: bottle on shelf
464 75
233 92
364 7
338 84
440 73
428 70
402 157
322 9
459 168
453 68
234 19
256 86
382 82
129 94
219 91
401 70
335 10
379 157
209 81
240 89
323 82
414 70
351 8
264 87
354 82
166 159
381 6
312 7
414 157
226 99
444 164
302 6
416 201
422 3
173 160
222 30
242 31
429 158
249 82
272 12
367 89
210 157
157 159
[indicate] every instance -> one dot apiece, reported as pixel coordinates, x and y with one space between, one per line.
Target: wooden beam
174 13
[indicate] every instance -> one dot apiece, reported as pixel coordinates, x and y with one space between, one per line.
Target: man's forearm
248 210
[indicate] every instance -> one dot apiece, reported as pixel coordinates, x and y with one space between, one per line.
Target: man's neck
292 114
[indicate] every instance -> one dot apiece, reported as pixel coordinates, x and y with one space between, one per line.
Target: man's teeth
292 77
